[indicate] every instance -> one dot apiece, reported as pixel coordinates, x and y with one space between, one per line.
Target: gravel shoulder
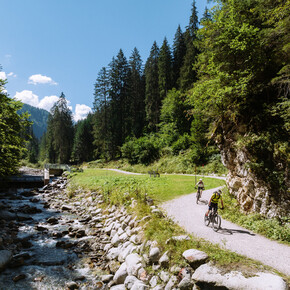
189 215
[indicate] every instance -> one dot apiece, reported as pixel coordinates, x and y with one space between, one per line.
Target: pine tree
187 73
206 15
119 125
137 94
164 69
102 112
179 51
60 132
83 149
152 93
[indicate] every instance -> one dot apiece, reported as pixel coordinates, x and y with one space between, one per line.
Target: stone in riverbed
72 285
5 258
19 277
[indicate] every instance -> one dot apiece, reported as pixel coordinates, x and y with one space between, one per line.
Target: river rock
118 287
133 264
185 284
113 253
164 260
107 278
130 281
139 286
208 275
66 207
154 254
195 257
115 240
153 281
72 285
170 284
19 277
5 258
164 276
121 274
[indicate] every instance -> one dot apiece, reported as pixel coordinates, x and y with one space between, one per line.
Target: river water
51 247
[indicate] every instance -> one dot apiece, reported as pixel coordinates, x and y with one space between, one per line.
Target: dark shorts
213 206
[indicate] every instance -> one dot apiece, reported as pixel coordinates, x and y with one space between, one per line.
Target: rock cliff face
253 194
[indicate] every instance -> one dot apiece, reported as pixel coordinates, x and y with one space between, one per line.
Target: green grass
120 189
276 229
161 188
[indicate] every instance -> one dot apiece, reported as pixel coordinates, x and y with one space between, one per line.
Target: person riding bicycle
213 202
200 186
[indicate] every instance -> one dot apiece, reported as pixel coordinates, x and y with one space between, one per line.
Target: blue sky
49 47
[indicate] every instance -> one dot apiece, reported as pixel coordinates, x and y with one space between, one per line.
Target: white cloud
40 79
3 75
47 102
27 97
12 74
81 112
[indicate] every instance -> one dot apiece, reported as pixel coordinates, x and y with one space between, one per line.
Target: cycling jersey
215 197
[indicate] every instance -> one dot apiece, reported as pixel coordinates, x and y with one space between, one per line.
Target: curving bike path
190 215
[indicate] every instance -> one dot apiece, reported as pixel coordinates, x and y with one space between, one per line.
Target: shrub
143 150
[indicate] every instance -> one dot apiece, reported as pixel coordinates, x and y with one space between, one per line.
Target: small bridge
54 169
30 181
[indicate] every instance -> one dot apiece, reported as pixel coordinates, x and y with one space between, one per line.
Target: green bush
143 150
181 144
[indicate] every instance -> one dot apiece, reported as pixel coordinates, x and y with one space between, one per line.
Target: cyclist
200 186
213 202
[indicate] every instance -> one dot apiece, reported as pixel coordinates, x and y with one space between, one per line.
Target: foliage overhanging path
190 215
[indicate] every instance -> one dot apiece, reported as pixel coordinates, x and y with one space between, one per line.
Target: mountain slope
39 118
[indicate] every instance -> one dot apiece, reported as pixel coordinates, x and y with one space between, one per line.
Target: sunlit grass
161 188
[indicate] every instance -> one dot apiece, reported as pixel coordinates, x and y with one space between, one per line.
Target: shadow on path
225 231
203 201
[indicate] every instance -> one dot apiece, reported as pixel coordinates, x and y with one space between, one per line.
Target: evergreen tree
136 94
164 69
32 147
102 113
206 16
12 132
83 149
120 104
179 51
60 132
187 73
152 93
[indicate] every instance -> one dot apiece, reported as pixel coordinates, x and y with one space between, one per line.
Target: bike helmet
219 191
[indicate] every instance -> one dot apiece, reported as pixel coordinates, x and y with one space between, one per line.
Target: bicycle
213 218
198 194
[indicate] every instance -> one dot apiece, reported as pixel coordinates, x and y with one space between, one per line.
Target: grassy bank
276 229
166 164
160 189
121 189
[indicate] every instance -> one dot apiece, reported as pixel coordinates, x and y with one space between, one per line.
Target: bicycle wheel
206 220
197 197
216 222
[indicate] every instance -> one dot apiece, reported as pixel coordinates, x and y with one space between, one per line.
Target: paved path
189 215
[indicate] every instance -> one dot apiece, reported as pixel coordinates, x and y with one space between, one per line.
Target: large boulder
195 257
209 276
